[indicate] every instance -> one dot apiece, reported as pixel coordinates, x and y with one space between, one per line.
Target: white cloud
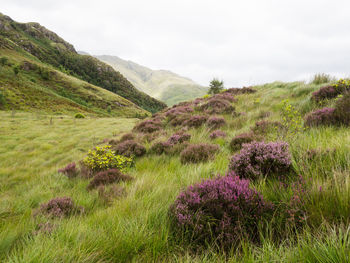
241 41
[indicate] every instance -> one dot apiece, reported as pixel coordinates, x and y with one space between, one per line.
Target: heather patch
258 159
60 207
319 117
196 121
70 170
179 137
127 137
130 148
224 211
148 126
176 111
196 153
217 106
108 177
237 141
238 91
216 122
217 134
342 110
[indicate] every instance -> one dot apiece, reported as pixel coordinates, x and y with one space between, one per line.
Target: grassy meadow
136 228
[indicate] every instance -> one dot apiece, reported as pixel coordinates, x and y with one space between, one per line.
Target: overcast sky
243 42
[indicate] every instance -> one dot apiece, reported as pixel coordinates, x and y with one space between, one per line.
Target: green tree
215 86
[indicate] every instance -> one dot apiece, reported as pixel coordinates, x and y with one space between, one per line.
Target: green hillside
49 48
306 194
160 84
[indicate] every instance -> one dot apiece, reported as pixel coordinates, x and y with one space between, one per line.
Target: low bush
217 134
331 91
238 91
60 207
217 106
108 177
198 153
237 141
70 170
160 148
178 110
127 137
79 116
148 126
342 110
222 211
130 148
179 137
258 159
216 122
179 120
319 117
196 121
103 158
225 96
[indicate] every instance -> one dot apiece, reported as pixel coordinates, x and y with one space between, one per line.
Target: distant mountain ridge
47 47
160 84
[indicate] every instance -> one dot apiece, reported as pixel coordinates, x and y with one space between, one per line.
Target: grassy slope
160 84
49 48
60 94
136 228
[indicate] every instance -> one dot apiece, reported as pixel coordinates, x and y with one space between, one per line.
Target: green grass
136 228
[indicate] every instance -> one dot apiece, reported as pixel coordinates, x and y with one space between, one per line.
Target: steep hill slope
161 84
26 84
49 48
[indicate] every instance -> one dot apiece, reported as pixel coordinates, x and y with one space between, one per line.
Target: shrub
225 96
160 148
292 122
217 134
179 137
342 110
237 141
70 170
108 177
130 148
265 126
217 106
79 116
148 126
60 207
327 92
261 159
179 120
319 117
216 122
178 110
198 153
103 158
238 91
127 137
215 86
196 121
223 211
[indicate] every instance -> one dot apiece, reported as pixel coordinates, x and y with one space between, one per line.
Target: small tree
215 86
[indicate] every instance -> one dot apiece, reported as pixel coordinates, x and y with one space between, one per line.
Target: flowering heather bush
108 177
196 121
265 126
238 91
127 137
327 92
217 134
237 141
70 170
148 126
103 158
216 122
222 211
342 110
60 207
323 116
224 96
198 101
196 153
179 110
217 106
160 148
179 120
130 148
179 137
260 159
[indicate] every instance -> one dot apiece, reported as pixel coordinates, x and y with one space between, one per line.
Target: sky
242 42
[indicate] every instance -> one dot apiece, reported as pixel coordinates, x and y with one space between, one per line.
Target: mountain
160 84
48 48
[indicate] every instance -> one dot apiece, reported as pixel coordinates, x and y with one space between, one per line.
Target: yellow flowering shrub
291 118
103 158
